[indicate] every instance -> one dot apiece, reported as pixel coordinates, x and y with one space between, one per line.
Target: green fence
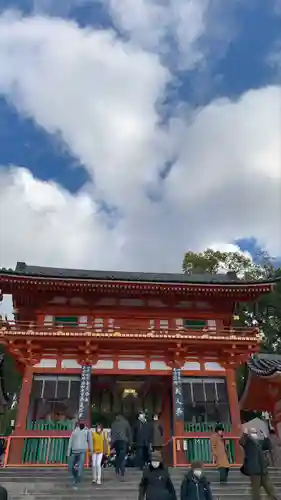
205 427
41 425
45 451
199 449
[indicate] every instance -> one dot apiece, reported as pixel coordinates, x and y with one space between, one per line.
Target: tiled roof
265 365
23 269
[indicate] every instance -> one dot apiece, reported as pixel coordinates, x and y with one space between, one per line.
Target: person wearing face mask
142 439
156 483
255 465
195 485
220 453
157 434
100 448
80 441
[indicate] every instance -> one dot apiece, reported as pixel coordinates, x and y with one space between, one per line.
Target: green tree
267 311
212 261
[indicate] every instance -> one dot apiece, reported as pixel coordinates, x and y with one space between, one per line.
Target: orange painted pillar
24 400
234 408
16 447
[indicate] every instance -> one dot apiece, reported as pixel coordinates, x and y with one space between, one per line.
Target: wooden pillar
24 400
17 444
234 408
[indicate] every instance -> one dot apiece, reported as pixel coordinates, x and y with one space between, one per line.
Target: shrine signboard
85 390
177 395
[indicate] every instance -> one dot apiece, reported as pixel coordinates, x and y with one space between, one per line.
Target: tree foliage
267 312
211 261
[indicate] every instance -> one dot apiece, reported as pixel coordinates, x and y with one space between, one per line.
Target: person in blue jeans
80 441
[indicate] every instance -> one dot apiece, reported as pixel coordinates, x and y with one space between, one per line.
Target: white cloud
152 25
104 98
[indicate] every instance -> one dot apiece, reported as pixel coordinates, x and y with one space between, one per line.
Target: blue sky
96 101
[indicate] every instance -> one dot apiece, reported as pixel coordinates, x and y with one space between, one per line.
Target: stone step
77 494
24 472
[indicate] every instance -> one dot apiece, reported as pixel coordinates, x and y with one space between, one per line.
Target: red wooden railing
25 328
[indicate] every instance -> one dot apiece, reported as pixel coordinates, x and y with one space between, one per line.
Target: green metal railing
45 451
41 425
200 449
49 450
206 427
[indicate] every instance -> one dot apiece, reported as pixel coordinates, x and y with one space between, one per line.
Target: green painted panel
205 427
66 320
41 425
45 450
194 323
199 449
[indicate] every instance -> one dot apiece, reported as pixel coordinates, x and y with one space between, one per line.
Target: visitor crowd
142 447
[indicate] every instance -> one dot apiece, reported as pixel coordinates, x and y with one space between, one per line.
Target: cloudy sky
134 130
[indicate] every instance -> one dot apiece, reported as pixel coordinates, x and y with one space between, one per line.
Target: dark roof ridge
23 269
264 364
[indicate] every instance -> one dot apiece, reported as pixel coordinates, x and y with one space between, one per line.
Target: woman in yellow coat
100 448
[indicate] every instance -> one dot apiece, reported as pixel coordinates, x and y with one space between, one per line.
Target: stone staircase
55 484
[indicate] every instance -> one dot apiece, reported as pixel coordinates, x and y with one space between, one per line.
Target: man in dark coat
157 434
195 485
142 440
121 440
255 465
156 483
3 493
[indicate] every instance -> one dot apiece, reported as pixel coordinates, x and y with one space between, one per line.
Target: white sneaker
94 481
98 481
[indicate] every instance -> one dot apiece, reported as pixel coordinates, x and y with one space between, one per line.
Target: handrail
172 440
26 328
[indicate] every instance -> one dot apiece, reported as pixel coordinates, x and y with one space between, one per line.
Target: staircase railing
51 451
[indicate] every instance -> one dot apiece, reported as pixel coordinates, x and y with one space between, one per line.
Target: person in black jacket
156 483
121 441
195 485
255 465
142 440
3 493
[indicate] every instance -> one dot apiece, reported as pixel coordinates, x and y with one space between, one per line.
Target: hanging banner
85 391
177 394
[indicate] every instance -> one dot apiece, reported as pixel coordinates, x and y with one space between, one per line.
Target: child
100 448
195 484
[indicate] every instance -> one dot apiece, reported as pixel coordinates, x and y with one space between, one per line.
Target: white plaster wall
46 363
103 364
191 365
214 366
133 364
70 363
159 365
